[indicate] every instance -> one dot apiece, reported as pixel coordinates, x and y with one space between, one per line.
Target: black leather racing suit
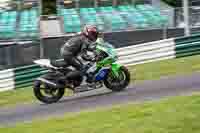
72 48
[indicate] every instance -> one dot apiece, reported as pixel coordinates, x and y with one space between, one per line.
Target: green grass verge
175 115
156 70
14 97
21 96
148 71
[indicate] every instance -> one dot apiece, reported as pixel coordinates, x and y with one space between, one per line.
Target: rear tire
116 86
48 100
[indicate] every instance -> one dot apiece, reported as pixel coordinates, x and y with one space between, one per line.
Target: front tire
37 88
118 84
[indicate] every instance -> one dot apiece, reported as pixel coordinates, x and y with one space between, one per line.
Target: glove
87 57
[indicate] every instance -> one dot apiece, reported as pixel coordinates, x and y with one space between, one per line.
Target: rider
78 44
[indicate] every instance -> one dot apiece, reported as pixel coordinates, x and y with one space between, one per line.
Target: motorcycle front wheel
47 94
118 83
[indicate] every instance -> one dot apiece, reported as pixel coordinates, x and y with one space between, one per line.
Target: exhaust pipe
48 82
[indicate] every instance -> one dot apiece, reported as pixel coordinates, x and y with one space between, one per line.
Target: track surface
148 90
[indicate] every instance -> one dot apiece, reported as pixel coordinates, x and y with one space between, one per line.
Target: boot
90 77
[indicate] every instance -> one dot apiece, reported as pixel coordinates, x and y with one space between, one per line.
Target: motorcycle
103 70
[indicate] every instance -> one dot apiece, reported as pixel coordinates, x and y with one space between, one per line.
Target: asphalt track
147 90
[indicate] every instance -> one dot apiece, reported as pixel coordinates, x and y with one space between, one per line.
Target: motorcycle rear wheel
54 97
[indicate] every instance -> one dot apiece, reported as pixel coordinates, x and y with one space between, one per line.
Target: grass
154 70
14 97
21 96
175 115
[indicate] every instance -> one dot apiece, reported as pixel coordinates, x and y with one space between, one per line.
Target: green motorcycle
102 70
115 76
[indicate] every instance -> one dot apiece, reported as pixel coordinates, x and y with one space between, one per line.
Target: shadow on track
93 93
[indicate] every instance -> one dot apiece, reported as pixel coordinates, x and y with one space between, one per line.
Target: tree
175 3
49 7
